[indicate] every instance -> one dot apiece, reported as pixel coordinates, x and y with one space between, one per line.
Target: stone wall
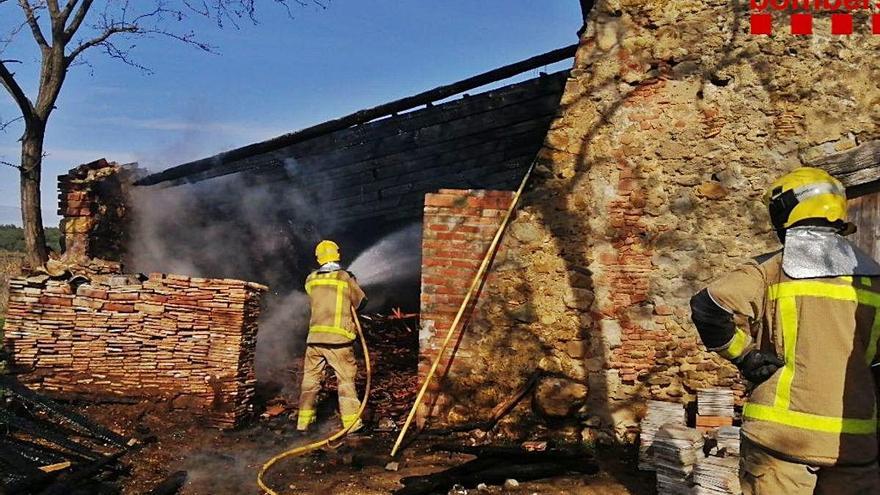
93 201
673 122
188 340
458 226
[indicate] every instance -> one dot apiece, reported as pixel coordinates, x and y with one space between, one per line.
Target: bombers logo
802 11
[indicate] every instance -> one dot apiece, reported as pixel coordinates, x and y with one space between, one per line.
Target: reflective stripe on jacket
332 294
820 408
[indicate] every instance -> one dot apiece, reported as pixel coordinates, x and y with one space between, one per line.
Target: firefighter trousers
760 473
341 359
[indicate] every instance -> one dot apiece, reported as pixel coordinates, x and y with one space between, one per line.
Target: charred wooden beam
856 167
551 454
360 117
170 485
75 420
45 432
494 470
66 484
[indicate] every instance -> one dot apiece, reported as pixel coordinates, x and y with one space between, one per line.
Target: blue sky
281 75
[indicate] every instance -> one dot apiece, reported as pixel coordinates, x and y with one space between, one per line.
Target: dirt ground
226 463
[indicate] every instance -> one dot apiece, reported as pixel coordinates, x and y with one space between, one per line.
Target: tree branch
78 18
101 39
8 164
7 79
68 9
29 12
53 8
5 125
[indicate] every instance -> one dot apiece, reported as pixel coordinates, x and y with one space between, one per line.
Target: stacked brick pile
186 339
458 227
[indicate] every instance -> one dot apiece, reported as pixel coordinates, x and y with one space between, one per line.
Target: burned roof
378 163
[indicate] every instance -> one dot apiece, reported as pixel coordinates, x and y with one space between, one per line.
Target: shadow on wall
648 186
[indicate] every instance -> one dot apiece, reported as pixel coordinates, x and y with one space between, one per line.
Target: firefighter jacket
820 407
332 295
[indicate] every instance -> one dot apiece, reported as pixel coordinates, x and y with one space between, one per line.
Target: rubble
187 339
50 449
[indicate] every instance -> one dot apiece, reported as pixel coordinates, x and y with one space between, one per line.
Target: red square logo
761 23
875 20
841 24
801 24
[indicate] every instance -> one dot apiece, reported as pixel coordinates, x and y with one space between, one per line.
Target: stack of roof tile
171 336
659 414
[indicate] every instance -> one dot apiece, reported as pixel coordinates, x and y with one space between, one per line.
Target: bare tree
63 32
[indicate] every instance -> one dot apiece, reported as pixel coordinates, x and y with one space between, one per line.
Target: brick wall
188 340
458 227
93 201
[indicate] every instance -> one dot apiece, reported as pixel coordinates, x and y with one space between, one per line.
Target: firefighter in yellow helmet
332 293
802 326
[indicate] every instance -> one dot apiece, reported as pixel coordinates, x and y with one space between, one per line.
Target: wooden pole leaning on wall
478 278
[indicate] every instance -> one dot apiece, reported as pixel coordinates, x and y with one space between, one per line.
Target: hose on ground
298 451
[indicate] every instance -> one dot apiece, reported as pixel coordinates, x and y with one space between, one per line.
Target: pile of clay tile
659 413
718 474
677 450
714 408
190 340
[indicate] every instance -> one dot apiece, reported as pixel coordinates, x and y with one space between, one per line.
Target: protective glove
757 366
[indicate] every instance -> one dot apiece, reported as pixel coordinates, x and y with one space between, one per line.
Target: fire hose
298 451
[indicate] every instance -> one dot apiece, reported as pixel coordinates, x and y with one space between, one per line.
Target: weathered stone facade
673 122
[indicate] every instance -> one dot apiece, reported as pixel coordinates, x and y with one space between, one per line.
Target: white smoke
229 228
391 265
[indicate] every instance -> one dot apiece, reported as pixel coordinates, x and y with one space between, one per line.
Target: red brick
124 296
119 307
93 293
444 200
56 301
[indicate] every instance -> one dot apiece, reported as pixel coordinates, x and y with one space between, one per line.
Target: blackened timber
59 412
463 180
489 101
430 174
42 431
362 116
171 485
431 180
855 167
529 132
494 112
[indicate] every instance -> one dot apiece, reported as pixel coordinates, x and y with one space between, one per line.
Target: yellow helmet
326 252
806 193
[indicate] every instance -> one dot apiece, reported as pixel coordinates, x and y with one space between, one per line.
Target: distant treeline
12 238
